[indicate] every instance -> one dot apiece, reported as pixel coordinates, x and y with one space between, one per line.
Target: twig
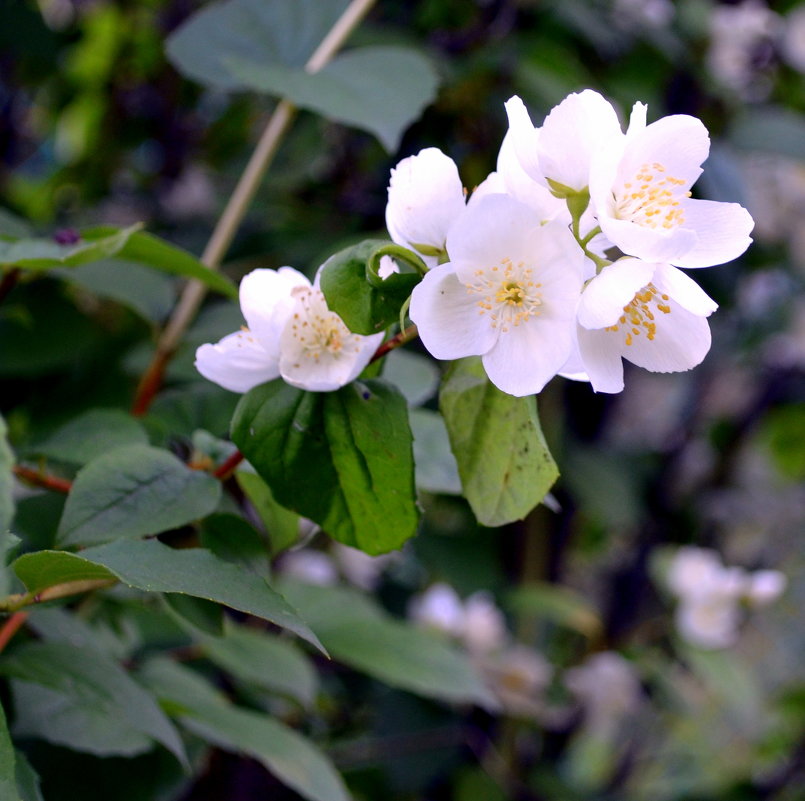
40 479
11 627
395 342
226 467
236 209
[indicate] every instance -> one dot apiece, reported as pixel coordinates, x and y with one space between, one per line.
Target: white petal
526 357
491 185
722 229
637 119
601 354
573 369
265 300
524 137
447 316
684 290
650 244
605 296
237 363
580 125
425 195
681 342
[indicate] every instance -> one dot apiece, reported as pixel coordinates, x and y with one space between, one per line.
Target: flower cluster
710 595
566 259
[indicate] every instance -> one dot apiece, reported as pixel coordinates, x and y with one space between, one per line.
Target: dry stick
235 210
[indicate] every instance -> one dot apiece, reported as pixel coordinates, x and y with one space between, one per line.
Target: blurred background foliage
96 126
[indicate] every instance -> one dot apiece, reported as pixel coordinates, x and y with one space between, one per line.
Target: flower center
509 296
638 315
317 329
652 199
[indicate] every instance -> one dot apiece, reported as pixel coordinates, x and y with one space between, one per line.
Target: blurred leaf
151 566
436 469
264 660
13 226
292 758
235 540
416 376
161 255
770 130
43 569
281 31
377 89
557 604
134 491
180 412
83 724
95 686
8 779
148 293
505 466
784 432
356 632
281 524
202 615
342 459
27 780
90 435
6 480
42 254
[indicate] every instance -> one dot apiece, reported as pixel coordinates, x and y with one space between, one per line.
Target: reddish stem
395 342
40 479
226 467
150 384
11 627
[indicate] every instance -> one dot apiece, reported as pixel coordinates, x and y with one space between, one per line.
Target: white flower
653 315
765 587
695 572
360 568
640 189
508 294
425 197
561 151
291 333
710 621
439 607
312 567
484 628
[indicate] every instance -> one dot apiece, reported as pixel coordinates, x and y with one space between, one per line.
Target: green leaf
27 780
359 634
505 466
281 524
364 307
196 614
380 89
87 679
234 540
342 459
262 659
280 32
13 226
132 492
557 604
43 254
43 569
6 479
436 469
151 566
293 759
8 779
150 294
416 376
161 255
90 435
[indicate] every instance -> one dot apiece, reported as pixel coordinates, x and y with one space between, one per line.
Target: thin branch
40 479
224 470
235 210
395 342
11 627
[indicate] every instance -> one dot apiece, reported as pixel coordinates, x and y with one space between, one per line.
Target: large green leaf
6 480
366 308
343 459
292 758
281 524
277 32
43 254
87 678
132 492
264 660
358 633
505 466
8 780
161 255
377 89
43 569
90 435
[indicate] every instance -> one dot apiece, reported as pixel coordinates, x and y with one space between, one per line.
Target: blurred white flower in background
630 14
709 595
792 46
310 566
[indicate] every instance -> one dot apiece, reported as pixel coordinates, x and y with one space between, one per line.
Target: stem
396 252
226 467
12 603
40 479
11 627
395 342
235 210
587 239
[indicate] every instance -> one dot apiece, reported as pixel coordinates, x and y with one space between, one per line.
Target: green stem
13 603
396 252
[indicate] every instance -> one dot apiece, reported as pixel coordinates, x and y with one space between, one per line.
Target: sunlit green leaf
505 466
281 524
